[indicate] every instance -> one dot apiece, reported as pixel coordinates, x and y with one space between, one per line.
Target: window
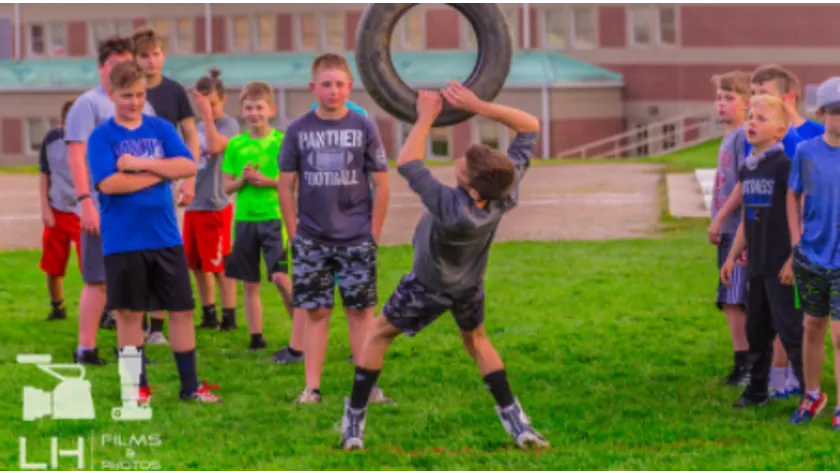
240 34
101 30
488 133
641 140
667 25
266 33
309 35
584 26
439 143
35 131
333 26
669 136
58 40
37 40
640 25
185 28
555 28
163 29
410 31
124 28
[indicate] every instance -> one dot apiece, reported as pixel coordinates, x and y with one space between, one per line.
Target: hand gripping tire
392 94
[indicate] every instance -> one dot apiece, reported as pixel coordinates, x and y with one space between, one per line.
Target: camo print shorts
316 267
819 288
413 306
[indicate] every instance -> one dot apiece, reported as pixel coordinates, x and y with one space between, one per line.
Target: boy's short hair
113 45
785 80
65 109
331 61
257 90
489 172
737 82
211 82
774 104
145 39
126 74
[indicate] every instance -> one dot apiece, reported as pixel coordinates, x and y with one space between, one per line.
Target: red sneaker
144 395
203 393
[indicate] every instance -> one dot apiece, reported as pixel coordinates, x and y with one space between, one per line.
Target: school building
589 71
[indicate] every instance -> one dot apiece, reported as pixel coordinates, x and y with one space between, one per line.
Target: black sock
185 361
58 305
156 325
498 385
229 314
294 352
209 311
256 337
363 384
741 358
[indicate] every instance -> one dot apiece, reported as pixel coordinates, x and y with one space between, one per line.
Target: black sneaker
257 344
740 375
285 357
88 357
752 398
57 314
209 321
228 323
107 321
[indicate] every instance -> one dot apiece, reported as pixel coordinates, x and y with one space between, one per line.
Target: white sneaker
377 396
518 425
308 396
353 427
156 338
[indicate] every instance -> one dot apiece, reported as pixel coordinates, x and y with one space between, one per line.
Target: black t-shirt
764 202
170 101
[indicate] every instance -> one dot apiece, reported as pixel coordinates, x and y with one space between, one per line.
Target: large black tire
392 94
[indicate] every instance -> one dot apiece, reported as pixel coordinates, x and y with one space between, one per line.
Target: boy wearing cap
815 172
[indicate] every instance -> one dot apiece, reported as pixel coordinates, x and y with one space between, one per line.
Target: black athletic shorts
251 238
149 280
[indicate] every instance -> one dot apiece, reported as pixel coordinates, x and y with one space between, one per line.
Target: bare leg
737 321
181 331
253 307
376 343
315 344
227 288
55 287
835 341
482 351
359 323
813 350
204 283
91 306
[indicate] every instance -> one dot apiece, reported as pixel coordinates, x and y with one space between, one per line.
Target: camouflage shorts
819 288
413 306
317 266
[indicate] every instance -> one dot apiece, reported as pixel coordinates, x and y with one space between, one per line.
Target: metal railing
654 139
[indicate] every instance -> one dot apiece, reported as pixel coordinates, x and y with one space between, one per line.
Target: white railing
654 139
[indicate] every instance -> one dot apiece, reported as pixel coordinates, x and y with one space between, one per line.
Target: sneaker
353 427
377 396
57 314
740 375
88 357
751 398
257 344
156 338
203 394
308 396
228 323
835 422
780 395
518 425
209 321
285 357
809 408
144 395
107 321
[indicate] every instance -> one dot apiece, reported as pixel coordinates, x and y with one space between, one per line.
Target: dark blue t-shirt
815 171
143 220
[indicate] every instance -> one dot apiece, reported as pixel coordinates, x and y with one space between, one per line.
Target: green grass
614 348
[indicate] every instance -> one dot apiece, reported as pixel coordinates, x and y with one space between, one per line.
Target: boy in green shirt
251 171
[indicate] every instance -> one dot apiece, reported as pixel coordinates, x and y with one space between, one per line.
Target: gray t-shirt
53 163
209 181
88 112
452 239
333 159
730 157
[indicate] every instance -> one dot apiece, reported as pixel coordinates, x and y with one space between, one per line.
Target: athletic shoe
257 344
752 398
228 323
353 427
780 395
809 408
156 338
107 321
209 321
285 357
740 375
57 314
518 425
88 357
203 394
835 422
144 395
377 396
308 396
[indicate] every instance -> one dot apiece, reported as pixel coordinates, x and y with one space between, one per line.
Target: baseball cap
828 94
350 105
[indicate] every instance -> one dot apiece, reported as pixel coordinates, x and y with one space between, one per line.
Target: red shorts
207 236
56 241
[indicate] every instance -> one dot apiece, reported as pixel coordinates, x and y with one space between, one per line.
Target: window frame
30 40
250 35
655 31
27 133
573 26
403 129
321 25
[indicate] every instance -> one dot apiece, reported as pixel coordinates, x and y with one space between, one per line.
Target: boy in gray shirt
451 246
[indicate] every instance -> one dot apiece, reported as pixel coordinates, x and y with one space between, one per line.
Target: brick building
665 54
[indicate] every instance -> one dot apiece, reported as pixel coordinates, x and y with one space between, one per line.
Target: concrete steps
690 195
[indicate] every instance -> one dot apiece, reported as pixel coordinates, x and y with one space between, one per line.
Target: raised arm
515 119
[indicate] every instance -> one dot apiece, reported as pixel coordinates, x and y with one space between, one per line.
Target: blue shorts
737 293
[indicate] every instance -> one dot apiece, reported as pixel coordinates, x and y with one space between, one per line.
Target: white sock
791 382
778 378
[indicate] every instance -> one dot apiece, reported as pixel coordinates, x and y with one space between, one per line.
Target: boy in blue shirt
133 157
815 172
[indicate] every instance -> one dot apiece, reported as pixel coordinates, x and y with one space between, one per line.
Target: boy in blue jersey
815 173
133 158
772 79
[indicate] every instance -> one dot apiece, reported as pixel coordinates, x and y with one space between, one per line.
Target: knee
383 330
280 278
815 326
252 288
181 317
475 341
317 315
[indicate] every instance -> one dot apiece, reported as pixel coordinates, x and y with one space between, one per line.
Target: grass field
614 349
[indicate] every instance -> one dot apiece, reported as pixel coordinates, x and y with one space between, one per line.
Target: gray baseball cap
828 94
